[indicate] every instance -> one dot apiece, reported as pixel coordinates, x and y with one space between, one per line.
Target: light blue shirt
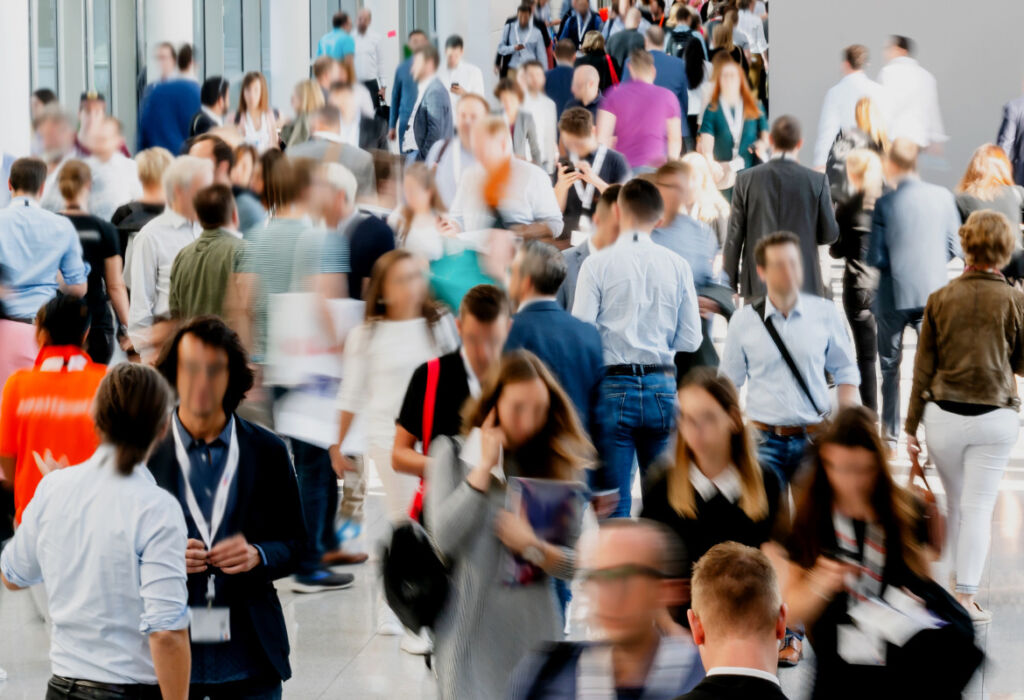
337 44
111 551
642 300
694 242
35 245
816 337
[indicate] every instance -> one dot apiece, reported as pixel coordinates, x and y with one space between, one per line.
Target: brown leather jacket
971 345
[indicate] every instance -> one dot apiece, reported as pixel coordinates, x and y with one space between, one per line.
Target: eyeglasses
617 574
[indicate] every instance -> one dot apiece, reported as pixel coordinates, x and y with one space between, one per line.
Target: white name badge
737 164
210 625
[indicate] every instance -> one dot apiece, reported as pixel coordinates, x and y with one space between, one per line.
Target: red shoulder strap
611 69
429 401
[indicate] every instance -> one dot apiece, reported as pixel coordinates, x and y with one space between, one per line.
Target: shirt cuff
263 555
849 375
14 578
166 623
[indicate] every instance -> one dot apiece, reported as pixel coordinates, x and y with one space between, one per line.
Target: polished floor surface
336 654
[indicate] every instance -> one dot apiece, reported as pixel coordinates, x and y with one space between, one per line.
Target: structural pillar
289 62
166 20
15 117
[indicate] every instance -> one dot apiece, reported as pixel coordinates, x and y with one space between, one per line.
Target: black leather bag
416 579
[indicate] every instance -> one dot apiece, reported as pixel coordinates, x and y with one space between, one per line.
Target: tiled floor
335 653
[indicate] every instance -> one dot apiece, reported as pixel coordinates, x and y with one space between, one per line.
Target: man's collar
540 298
327 136
190 442
174 219
218 119
471 379
770 308
727 483
628 237
24 200
741 671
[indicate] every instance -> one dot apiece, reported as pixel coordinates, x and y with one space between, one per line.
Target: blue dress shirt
111 551
816 337
642 299
35 245
694 242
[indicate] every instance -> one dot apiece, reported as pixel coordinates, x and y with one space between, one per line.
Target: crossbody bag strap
430 401
759 308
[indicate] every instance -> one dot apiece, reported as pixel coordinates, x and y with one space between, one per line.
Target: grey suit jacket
914 233
1011 136
433 120
574 258
357 160
525 143
780 195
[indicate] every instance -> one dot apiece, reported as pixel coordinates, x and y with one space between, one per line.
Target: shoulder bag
759 308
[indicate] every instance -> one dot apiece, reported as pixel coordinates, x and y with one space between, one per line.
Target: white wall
479 23
166 20
384 20
15 118
977 70
289 58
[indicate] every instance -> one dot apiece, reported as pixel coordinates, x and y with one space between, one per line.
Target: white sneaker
388 626
417 644
979 615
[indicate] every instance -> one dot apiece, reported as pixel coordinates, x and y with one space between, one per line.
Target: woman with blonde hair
710 206
965 392
306 99
860 280
522 425
712 489
254 118
869 133
594 54
988 184
419 223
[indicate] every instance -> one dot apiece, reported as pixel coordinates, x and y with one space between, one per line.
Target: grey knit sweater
486 626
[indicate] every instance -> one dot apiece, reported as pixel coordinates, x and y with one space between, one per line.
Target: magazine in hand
554 510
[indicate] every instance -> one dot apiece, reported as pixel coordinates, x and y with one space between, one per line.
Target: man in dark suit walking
569 347
737 618
431 119
780 195
1011 136
240 498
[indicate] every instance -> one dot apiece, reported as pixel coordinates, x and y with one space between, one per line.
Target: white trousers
970 453
399 488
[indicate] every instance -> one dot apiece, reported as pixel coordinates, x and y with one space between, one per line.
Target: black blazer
268 512
373 134
200 124
738 687
780 195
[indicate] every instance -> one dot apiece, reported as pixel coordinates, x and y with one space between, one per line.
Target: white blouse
264 137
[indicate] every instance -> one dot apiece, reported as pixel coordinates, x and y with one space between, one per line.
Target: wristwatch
533 554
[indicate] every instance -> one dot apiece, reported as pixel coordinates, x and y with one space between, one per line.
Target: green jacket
201 272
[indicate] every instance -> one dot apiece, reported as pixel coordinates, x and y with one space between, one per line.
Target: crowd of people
503 306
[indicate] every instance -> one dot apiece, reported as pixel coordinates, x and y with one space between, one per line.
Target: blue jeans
318 490
637 417
891 325
783 455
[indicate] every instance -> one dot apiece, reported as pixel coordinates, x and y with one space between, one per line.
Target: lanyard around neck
208 529
586 192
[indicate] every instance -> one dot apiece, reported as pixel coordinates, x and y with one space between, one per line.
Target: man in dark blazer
780 195
1011 136
738 635
569 347
326 141
606 231
914 234
403 90
209 457
213 105
431 119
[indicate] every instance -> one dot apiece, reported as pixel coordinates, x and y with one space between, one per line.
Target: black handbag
415 577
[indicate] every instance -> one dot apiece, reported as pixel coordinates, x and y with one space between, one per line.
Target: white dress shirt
217 118
545 118
111 552
815 335
114 183
349 131
149 271
367 58
641 297
752 26
838 110
529 198
469 77
728 483
912 102
449 167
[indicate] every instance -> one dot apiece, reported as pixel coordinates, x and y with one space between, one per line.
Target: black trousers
60 688
374 87
857 303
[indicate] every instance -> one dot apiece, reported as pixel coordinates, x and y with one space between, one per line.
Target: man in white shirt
154 248
738 635
753 28
642 299
115 178
452 157
367 59
458 76
545 115
838 111
527 204
521 41
911 96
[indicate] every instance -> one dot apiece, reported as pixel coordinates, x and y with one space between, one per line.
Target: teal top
714 123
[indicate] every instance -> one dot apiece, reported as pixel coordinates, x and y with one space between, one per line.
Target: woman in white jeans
971 345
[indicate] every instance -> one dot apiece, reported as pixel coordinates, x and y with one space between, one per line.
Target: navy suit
1011 136
266 511
569 347
558 86
670 73
403 97
914 233
167 114
433 121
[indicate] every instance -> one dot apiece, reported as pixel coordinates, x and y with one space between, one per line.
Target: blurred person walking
988 184
911 96
131 217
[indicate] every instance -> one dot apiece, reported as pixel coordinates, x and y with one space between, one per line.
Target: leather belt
638 370
141 692
788 430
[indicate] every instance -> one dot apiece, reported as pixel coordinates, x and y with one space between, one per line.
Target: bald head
363 20
633 17
585 84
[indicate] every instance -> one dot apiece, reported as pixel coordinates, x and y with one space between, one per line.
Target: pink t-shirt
641 110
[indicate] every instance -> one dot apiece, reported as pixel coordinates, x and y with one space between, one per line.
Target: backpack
678 40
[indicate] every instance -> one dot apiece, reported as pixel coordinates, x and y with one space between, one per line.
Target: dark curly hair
212 331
